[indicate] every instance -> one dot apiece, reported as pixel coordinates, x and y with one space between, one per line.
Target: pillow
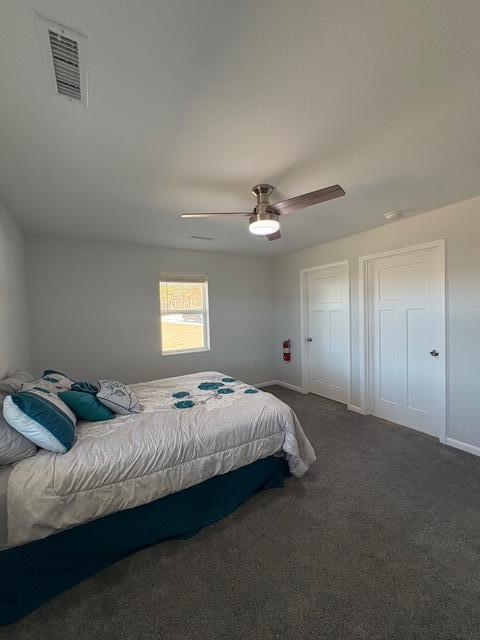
85 406
53 381
47 372
42 417
118 397
85 387
13 446
14 382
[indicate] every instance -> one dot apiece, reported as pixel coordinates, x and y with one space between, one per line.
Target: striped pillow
42 418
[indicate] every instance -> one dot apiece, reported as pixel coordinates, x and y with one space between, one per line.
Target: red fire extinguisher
286 350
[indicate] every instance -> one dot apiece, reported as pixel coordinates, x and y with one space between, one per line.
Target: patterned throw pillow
42 418
52 381
13 446
85 387
118 397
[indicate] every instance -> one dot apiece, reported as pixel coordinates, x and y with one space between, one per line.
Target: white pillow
13 446
117 397
15 381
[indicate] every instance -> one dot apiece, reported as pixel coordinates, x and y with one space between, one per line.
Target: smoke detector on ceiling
64 53
390 216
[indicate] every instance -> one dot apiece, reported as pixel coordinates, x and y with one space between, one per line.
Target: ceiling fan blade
274 236
213 215
308 199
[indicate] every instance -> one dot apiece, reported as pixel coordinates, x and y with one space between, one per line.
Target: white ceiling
195 101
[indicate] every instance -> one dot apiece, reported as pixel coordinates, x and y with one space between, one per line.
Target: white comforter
132 460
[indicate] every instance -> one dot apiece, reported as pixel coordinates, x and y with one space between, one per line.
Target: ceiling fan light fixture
264 225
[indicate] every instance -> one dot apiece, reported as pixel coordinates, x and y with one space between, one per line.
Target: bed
193 433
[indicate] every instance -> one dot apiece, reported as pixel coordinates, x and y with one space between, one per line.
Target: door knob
309 339
434 353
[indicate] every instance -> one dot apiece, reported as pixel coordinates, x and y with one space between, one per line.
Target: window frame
205 312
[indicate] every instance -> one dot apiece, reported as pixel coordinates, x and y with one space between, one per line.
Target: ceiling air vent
65 56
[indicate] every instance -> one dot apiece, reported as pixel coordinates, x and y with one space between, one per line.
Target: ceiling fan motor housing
262 192
263 210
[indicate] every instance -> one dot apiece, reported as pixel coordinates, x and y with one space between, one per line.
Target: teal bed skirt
33 573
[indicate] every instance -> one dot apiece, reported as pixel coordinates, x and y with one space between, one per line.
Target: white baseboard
451 442
292 387
464 446
355 409
287 385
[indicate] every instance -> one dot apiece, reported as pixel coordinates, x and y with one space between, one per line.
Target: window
184 313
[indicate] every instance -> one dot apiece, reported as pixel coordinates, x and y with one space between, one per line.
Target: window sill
185 351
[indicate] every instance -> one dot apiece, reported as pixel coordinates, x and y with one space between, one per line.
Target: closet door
405 334
328 332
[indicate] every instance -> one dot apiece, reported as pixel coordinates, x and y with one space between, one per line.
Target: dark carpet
379 540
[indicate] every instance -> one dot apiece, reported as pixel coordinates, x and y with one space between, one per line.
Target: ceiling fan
264 218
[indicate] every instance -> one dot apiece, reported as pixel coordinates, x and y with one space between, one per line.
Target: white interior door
406 325
328 332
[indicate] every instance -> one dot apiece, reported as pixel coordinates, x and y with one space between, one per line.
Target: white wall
460 225
95 311
14 344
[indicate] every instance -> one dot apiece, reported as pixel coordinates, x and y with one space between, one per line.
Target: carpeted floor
379 540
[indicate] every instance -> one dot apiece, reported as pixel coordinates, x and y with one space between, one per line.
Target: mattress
186 433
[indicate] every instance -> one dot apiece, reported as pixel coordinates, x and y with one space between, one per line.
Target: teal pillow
85 406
